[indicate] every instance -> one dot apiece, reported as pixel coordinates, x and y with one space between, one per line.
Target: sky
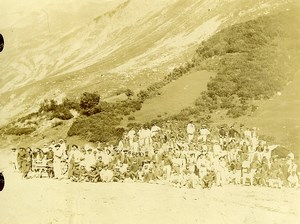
11 11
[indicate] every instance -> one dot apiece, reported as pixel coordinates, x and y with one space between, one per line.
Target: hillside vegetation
117 49
252 61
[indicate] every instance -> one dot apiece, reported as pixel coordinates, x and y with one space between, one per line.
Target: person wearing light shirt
154 130
131 135
57 161
190 129
204 132
89 160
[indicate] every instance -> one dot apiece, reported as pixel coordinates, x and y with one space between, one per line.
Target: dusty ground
53 201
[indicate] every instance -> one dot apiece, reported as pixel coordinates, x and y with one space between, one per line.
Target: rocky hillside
130 43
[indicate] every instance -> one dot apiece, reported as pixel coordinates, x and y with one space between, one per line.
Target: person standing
130 136
71 160
26 162
222 136
49 163
154 130
204 132
57 161
167 166
190 129
14 159
232 133
20 156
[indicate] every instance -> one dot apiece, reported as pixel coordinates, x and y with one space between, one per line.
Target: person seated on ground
94 175
293 180
257 178
150 177
202 166
89 159
134 163
175 179
106 174
117 175
123 168
208 180
130 176
75 177
232 171
156 157
140 174
158 171
217 150
274 180
99 163
83 174
177 163
190 178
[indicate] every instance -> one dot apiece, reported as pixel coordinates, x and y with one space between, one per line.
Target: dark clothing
222 133
232 133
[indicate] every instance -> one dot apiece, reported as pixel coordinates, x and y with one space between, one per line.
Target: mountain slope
116 49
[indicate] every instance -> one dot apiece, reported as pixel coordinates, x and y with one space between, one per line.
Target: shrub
236 112
129 93
62 113
89 100
19 131
99 127
131 118
134 125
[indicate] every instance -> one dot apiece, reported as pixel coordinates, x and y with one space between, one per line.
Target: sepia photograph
149 111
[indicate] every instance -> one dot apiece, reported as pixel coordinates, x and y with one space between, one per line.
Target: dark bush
19 131
62 113
89 100
131 118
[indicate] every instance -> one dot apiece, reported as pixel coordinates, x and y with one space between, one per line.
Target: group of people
182 157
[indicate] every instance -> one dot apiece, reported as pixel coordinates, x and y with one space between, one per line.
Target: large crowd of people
182 157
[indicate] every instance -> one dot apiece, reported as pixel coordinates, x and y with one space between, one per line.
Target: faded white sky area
18 13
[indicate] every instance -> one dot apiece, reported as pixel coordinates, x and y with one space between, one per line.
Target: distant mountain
133 44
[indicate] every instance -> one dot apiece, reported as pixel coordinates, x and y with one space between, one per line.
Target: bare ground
61 201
